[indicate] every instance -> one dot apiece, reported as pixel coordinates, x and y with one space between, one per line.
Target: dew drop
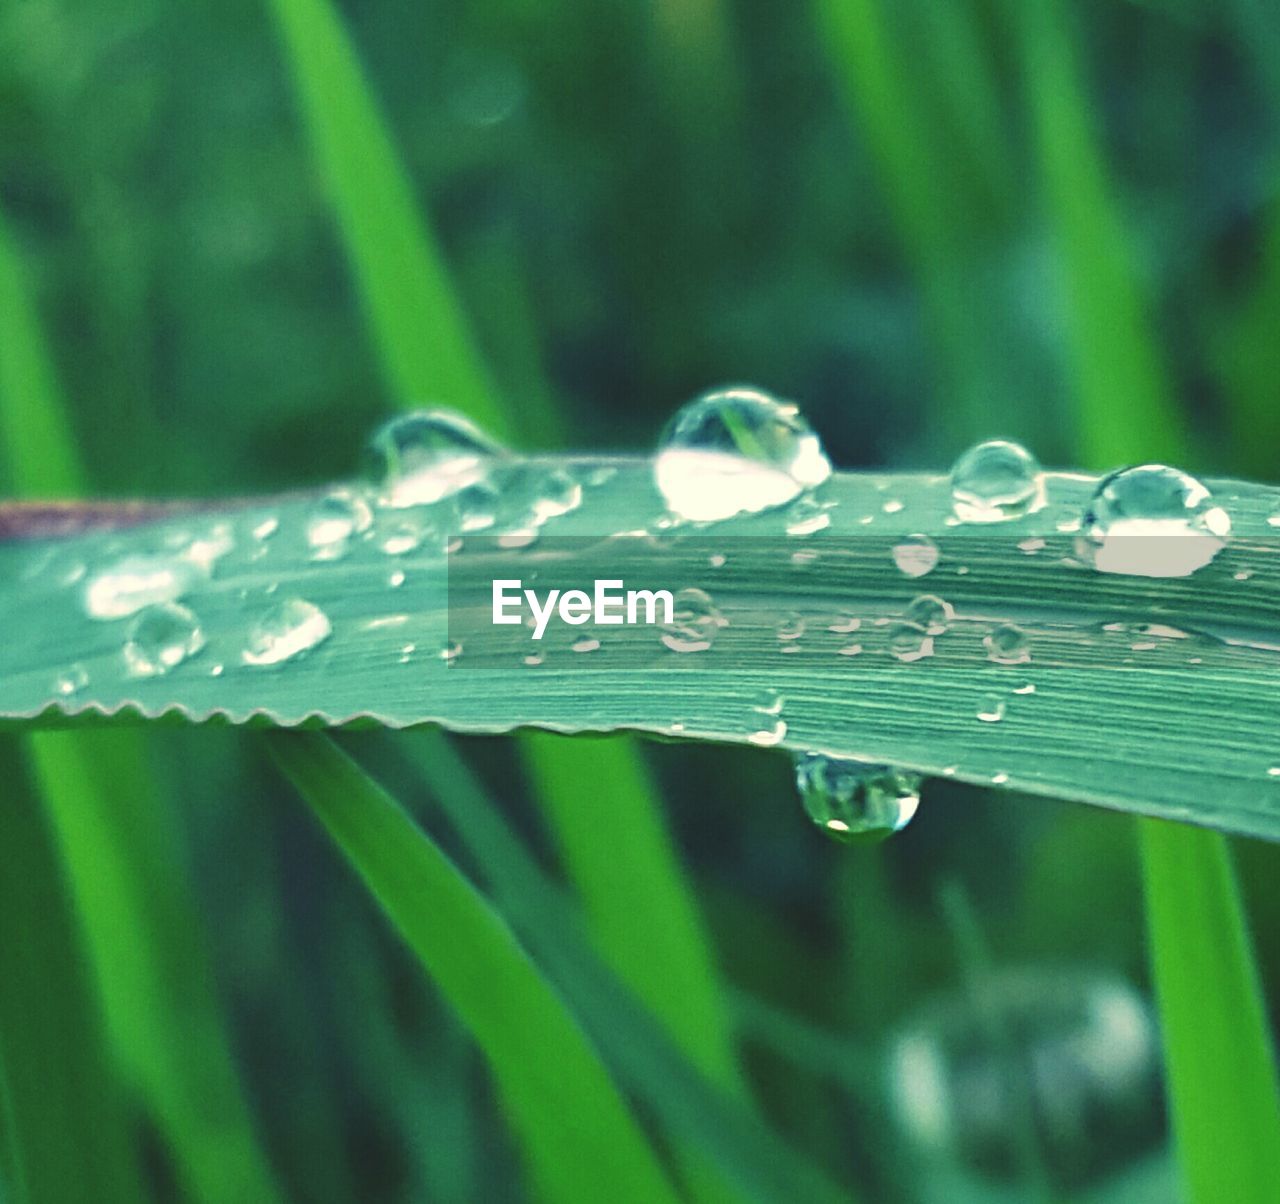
585 644
334 520
768 702
1007 645
133 582
770 735
1152 521
419 458
991 709
735 451
916 555
71 680
695 622
855 802
909 642
931 613
160 638
844 623
808 516
790 627
288 629
996 481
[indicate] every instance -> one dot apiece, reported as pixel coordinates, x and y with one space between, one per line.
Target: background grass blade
66 1121
692 1106
120 853
1220 1065
428 352
580 1140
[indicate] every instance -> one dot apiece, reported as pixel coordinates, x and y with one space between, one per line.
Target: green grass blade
414 316
695 1110
580 1139
1220 1065
119 849
427 350
1221 1073
66 1121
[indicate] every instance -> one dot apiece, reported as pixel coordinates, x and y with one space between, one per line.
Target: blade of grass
65 1121
580 1139
669 964
1224 1093
675 1087
119 848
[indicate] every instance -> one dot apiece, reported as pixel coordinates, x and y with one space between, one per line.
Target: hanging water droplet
996 481
1152 521
71 680
931 613
126 586
1007 644
909 642
852 801
288 629
334 520
735 451
915 555
160 638
695 622
991 709
419 458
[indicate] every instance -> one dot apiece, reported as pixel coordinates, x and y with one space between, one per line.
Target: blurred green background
928 223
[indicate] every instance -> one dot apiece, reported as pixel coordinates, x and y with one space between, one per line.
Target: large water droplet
695 622
422 457
916 555
736 451
161 638
853 801
126 586
288 629
995 481
1007 645
334 520
1152 521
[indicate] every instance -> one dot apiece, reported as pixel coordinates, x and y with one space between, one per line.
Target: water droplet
804 558
991 709
909 642
695 622
915 555
288 629
419 458
450 652
996 481
768 702
1152 521
892 506
844 623
129 584
266 528
1032 545
1007 645
850 650
71 681
807 517
1025 688
160 638
396 579
852 801
533 659
770 735
586 644
931 613
790 627
334 520
1273 771
717 560
735 451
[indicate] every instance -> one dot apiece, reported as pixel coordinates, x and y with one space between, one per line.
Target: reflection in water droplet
852 801
71 681
334 520
991 709
126 586
1007 645
1152 521
288 629
996 481
160 638
422 457
931 613
915 555
735 451
909 642
695 622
